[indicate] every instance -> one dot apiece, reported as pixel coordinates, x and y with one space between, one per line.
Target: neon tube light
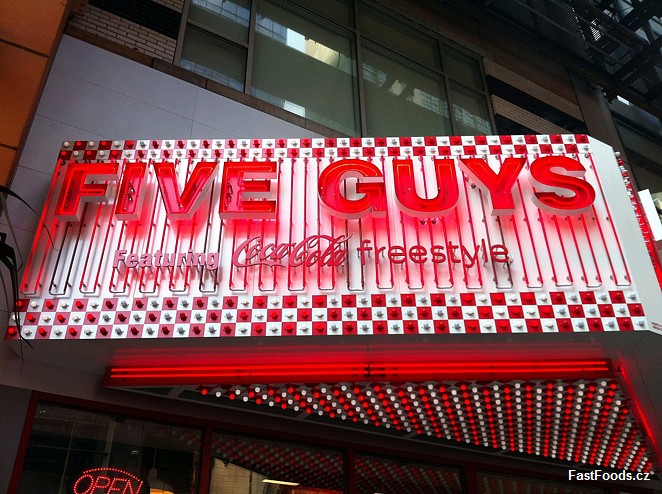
232 373
279 482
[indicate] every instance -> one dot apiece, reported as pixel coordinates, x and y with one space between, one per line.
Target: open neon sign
348 188
108 480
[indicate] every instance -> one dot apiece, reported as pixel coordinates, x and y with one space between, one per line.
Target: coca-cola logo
324 250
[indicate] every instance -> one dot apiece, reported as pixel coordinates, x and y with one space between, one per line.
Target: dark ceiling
614 43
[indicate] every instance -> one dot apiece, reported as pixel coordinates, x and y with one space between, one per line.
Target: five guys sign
281 221
561 190
348 188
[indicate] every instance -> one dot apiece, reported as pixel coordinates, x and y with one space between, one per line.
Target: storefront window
72 451
385 476
492 483
68 445
244 464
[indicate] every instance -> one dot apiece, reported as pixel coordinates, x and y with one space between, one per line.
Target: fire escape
613 43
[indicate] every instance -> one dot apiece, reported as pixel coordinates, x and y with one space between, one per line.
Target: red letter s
555 176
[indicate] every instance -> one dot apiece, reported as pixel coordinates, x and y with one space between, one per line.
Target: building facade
406 374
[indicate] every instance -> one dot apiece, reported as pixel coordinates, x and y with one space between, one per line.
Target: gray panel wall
92 94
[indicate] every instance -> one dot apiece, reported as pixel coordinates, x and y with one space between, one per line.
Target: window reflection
303 67
214 58
470 113
401 100
493 483
66 442
382 475
239 14
225 19
244 464
303 59
303 43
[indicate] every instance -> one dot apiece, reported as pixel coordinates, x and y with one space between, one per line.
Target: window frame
443 46
284 431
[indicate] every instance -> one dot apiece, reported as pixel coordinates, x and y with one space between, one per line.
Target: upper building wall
528 94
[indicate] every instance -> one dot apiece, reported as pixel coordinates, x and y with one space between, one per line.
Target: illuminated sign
271 237
108 480
243 195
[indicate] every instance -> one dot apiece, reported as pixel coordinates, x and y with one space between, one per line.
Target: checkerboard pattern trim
356 147
329 315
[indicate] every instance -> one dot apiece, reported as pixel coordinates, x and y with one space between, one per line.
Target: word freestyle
348 188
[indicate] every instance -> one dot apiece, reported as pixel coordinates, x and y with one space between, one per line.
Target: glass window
338 11
402 101
396 37
470 113
214 58
301 55
244 464
304 68
67 445
228 18
463 68
381 475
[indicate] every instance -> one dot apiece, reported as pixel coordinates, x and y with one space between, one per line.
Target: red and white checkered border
329 315
356 147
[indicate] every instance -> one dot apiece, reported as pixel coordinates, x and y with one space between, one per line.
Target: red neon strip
610 220
590 246
290 283
387 219
479 271
305 373
429 222
527 221
642 419
462 367
389 371
604 243
151 236
82 285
